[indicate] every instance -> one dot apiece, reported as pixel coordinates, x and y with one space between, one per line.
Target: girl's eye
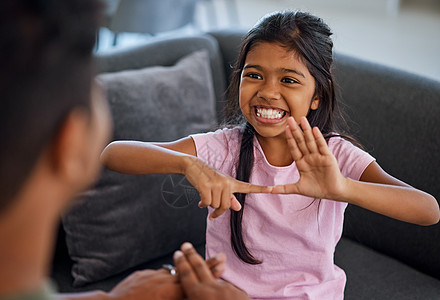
289 80
253 76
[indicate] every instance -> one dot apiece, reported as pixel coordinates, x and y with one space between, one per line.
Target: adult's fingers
216 260
160 273
217 265
186 274
146 283
197 263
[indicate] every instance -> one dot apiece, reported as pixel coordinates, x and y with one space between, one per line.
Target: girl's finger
205 199
225 204
216 203
293 147
216 213
285 189
235 204
308 134
226 199
216 194
238 186
298 135
320 141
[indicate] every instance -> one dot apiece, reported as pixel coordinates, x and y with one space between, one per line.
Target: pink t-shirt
293 237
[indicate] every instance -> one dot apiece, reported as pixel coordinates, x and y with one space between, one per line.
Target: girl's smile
275 84
269 114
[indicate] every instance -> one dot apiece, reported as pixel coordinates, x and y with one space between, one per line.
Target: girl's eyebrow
253 67
283 70
294 71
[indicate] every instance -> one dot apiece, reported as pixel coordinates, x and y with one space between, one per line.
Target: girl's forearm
132 157
399 202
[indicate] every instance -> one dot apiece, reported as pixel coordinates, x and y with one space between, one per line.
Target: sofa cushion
373 275
165 51
125 219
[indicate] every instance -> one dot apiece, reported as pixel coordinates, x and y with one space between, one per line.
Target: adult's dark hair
45 52
309 37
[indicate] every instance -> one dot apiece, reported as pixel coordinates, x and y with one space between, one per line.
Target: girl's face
275 84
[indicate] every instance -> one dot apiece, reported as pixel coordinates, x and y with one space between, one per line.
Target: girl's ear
315 103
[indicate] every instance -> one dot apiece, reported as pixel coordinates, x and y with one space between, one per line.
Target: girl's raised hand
217 189
319 172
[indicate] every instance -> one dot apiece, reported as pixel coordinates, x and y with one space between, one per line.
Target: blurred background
404 34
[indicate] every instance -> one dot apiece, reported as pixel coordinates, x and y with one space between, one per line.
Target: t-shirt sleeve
213 147
351 159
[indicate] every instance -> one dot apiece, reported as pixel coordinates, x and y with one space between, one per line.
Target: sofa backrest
395 115
166 52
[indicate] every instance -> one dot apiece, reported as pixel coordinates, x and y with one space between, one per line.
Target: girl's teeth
269 113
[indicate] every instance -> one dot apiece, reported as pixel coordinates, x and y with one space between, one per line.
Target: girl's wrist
345 191
350 190
187 162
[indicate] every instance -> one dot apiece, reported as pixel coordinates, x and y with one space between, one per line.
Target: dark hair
309 37
47 69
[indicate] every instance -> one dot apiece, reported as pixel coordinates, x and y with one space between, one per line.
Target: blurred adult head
45 81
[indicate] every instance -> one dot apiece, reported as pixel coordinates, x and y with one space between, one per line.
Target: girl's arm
134 157
216 189
377 191
382 193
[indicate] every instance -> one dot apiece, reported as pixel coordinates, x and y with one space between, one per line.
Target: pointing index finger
245 188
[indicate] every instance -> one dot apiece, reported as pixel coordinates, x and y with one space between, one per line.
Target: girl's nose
269 90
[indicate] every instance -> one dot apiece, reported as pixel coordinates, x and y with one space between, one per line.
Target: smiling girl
286 142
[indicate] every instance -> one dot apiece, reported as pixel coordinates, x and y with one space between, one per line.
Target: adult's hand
217 264
197 279
148 284
160 284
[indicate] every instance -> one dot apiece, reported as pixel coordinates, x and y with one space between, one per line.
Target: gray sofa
126 223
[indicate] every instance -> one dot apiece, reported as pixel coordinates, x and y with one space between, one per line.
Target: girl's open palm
319 172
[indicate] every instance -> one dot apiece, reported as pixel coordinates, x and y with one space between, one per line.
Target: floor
404 34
